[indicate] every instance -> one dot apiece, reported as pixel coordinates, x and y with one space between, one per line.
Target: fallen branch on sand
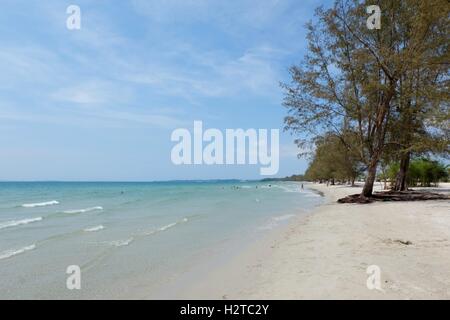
394 196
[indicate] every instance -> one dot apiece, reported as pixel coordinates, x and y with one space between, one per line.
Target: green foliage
422 172
332 161
388 88
294 177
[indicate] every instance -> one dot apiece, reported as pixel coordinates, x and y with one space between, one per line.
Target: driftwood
395 196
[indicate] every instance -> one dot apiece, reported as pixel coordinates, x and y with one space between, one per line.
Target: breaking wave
10 253
121 243
166 227
94 229
83 210
15 223
40 204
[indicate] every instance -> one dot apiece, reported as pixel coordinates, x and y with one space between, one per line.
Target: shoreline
325 253
194 284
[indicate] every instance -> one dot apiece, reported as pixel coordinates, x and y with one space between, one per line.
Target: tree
349 79
422 172
332 161
421 114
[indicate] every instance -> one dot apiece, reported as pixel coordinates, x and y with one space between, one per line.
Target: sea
132 240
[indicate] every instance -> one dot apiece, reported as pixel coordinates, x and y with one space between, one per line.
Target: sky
100 103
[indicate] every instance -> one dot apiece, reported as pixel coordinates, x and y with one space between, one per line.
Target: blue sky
100 103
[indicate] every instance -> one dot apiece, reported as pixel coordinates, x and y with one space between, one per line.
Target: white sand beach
326 254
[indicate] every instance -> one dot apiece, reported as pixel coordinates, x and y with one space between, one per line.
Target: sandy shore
326 254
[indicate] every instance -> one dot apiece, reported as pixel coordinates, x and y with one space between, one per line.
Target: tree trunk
400 181
371 175
380 128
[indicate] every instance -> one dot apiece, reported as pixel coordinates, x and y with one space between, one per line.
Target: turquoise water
130 239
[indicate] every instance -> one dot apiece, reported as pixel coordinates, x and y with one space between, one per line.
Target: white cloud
213 74
27 65
154 120
93 92
230 15
96 118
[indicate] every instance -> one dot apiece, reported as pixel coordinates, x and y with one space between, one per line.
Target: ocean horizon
139 181
132 239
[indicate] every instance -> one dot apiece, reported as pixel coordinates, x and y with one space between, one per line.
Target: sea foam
83 210
94 229
166 227
284 217
10 253
126 242
40 204
121 243
15 223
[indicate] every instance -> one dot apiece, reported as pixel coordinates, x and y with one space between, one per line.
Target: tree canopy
375 90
